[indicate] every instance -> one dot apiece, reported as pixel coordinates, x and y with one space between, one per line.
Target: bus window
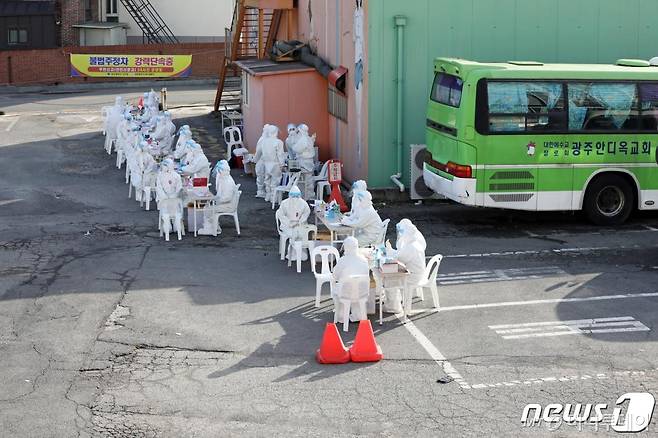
649 117
526 106
447 89
603 107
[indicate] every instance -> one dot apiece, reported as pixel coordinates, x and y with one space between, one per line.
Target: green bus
545 137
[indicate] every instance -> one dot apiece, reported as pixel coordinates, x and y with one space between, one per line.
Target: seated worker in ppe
351 263
224 201
410 251
358 186
197 165
184 135
123 130
291 140
294 216
304 152
365 220
162 134
273 157
168 196
170 124
260 163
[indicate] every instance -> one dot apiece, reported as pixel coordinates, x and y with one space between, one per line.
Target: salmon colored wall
280 99
331 34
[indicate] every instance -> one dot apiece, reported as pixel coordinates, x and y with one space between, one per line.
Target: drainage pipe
400 22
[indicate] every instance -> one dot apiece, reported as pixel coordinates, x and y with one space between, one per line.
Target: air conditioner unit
418 189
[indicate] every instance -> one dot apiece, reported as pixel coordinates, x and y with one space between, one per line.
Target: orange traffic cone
332 350
365 348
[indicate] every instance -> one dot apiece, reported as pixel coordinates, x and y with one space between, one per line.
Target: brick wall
72 12
51 66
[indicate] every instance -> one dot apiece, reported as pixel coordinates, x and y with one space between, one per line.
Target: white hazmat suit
168 190
273 157
365 220
358 186
304 152
410 251
291 140
112 121
197 164
260 164
224 202
352 263
294 213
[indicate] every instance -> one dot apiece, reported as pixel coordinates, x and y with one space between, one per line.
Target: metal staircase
154 29
252 34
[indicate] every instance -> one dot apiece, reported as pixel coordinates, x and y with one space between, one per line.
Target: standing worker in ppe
291 140
351 263
410 251
224 201
273 157
304 152
260 164
168 189
294 213
365 220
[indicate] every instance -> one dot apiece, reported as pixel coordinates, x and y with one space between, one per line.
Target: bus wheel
609 200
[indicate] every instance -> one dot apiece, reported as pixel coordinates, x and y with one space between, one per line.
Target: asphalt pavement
108 330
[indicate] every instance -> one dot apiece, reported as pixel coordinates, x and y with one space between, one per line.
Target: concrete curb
72 88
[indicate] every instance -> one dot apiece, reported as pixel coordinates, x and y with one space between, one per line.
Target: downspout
400 23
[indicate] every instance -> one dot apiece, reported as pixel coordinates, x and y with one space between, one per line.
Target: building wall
52 66
598 31
40 28
72 12
191 21
331 33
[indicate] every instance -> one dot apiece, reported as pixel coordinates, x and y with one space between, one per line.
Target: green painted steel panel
578 31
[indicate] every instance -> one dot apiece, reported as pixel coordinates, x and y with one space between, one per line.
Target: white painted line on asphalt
621 324
11 125
650 228
499 275
563 379
534 252
9 201
547 301
434 353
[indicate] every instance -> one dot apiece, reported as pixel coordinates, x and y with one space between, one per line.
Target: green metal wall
582 31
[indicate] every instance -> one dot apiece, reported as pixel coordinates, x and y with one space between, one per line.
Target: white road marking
563 379
11 125
434 353
534 252
9 201
537 302
499 275
650 228
576 327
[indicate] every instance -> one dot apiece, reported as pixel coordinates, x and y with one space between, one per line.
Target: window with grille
337 104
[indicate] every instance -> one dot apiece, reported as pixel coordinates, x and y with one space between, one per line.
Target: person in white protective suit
123 130
149 165
410 251
224 201
162 134
135 165
273 157
304 152
111 123
291 140
294 218
154 99
260 164
365 220
358 186
197 165
351 263
168 189
184 135
170 124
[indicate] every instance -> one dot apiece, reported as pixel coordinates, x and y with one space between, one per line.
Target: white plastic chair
326 253
297 247
348 293
322 182
277 196
429 280
234 210
283 238
233 139
180 229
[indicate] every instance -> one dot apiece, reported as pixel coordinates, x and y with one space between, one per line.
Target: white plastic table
395 280
335 227
196 195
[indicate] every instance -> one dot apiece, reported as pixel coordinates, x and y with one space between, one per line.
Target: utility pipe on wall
400 22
